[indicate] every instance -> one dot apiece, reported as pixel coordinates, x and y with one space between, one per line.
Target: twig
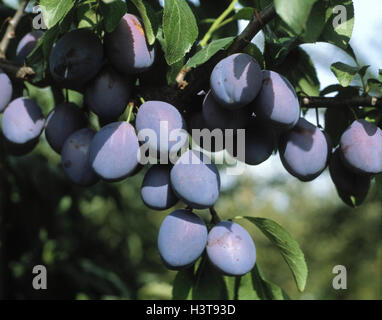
16 71
339 102
11 29
215 217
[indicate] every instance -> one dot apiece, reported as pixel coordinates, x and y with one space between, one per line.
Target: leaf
112 12
149 19
289 248
207 52
344 73
173 71
244 14
183 283
210 284
339 23
86 15
54 11
179 30
294 12
255 52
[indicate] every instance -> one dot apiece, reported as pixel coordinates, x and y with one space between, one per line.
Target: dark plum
304 150
195 180
62 121
153 115
182 239
27 45
352 187
108 94
277 101
6 90
22 124
231 249
216 117
127 47
236 80
258 146
114 151
76 58
75 158
156 191
361 148
212 141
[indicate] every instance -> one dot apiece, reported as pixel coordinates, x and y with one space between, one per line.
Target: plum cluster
241 97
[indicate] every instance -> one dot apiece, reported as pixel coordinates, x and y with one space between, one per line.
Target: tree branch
339 102
16 71
11 29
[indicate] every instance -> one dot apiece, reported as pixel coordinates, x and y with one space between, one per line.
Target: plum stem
11 29
217 23
215 217
129 116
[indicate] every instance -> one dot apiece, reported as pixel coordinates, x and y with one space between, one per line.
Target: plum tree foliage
115 71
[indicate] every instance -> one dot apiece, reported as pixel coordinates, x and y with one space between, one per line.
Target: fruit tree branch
16 71
340 102
11 29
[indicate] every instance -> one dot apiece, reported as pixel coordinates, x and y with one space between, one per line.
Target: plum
236 80
156 190
230 249
127 47
6 90
277 101
114 151
62 121
182 239
76 58
75 158
195 180
304 150
27 45
361 148
108 94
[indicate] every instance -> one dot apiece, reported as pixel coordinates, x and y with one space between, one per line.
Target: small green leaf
344 73
209 285
183 283
112 11
339 22
255 52
294 12
149 19
179 30
207 52
54 11
244 14
289 248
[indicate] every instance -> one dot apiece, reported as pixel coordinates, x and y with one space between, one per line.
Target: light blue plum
153 116
22 123
75 158
156 190
195 180
230 249
6 90
182 239
114 151
305 150
277 101
27 45
236 80
361 148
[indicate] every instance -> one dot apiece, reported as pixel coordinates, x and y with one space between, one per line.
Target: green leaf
316 22
244 14
179 30
86 15
265 289
207 52
54 11
209 285
173 71
149 19
344 73
294 12
289 248
380 74
43 96
112 12
339 26
255 52
183 283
